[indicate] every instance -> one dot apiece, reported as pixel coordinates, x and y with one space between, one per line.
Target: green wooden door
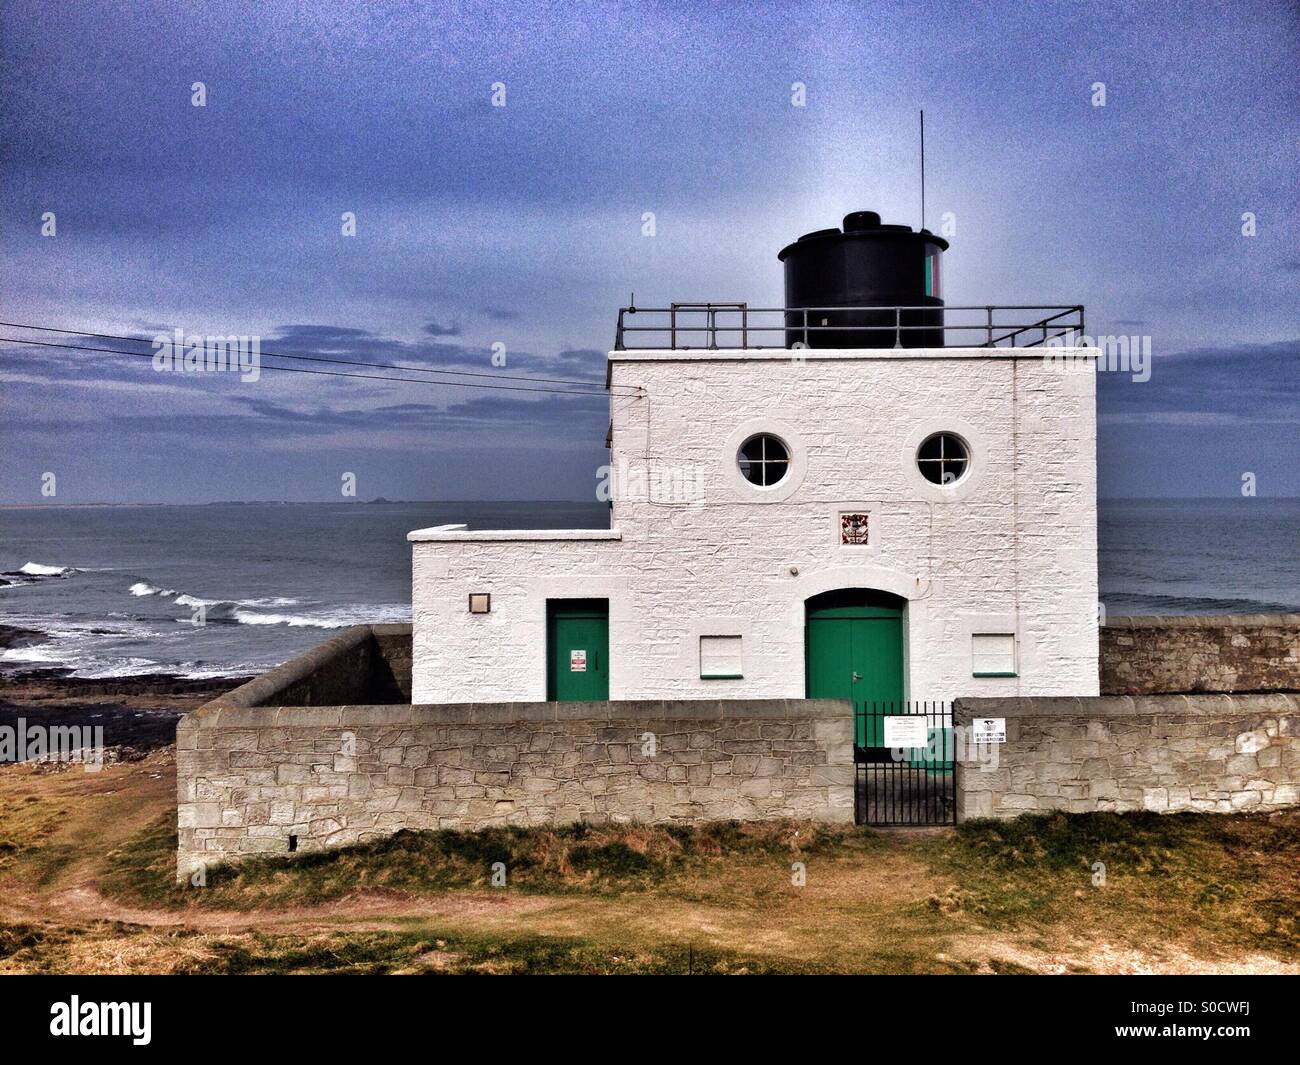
854 651
577 650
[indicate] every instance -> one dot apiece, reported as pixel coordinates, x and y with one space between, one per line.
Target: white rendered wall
1011 548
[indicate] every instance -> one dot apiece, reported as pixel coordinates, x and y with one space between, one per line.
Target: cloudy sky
521 226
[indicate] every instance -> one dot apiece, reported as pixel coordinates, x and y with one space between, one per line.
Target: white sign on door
906 732
578 660
988 730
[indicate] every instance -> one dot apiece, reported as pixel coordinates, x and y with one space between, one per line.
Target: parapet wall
252 778
362 664
1246 653
1213 753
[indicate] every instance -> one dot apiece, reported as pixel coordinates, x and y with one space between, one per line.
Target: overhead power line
318 358
325 373
299 356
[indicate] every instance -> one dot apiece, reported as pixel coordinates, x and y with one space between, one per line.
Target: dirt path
878 910
79 818
91 814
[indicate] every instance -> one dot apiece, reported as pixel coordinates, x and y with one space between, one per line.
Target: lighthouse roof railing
718 326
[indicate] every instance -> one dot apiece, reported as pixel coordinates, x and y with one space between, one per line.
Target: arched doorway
853 649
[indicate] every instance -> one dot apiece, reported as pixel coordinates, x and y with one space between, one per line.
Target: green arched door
854 651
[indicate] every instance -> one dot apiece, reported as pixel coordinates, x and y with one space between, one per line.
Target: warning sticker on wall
578 660
988 730
907 732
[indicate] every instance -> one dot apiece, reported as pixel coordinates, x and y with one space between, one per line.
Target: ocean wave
207 671
336 618
36 654
120 667
269 609
89 666
270 600
103 649
58 627
124 646
93 652
250 617
33 573
145 588
35 569
106 669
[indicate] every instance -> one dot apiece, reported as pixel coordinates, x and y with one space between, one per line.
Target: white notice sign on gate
988 730
906 731
578 660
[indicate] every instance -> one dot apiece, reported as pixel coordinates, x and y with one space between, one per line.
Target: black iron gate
905 771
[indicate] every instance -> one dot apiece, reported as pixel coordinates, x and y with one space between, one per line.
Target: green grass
575 859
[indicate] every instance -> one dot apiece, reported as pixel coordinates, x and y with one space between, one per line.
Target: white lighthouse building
832 499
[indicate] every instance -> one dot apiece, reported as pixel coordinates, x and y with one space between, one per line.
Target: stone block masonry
1168 753
1245 653
250 778
327 750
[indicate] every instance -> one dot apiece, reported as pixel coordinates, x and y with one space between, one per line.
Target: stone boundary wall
1212 753
362 664
1188 654
251 777
391 670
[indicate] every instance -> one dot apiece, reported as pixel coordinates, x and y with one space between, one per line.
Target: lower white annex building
875 516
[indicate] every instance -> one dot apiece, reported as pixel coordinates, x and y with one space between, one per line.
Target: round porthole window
764 460
943 458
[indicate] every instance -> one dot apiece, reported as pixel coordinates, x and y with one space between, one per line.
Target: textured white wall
1010 548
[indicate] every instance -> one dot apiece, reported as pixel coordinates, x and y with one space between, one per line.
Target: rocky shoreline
13 636
138 713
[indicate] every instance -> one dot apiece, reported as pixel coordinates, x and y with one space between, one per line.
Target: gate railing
905 769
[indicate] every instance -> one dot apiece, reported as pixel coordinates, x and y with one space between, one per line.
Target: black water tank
864 265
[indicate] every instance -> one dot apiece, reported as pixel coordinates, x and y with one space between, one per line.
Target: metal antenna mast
923 169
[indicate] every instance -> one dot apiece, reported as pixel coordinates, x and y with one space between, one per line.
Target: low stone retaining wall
251 779
325 750
1246 653
1215 753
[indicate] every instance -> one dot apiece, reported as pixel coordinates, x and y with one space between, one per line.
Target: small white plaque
988 730
578 660
907 731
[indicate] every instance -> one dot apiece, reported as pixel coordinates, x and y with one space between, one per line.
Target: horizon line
383 501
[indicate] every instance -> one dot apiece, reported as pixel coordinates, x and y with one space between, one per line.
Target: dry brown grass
86 861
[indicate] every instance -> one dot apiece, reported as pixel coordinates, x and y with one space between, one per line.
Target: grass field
86 864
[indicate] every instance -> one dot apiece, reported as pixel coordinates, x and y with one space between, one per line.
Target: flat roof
461 533
836 354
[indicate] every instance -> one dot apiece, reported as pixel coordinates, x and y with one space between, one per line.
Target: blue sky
522 225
